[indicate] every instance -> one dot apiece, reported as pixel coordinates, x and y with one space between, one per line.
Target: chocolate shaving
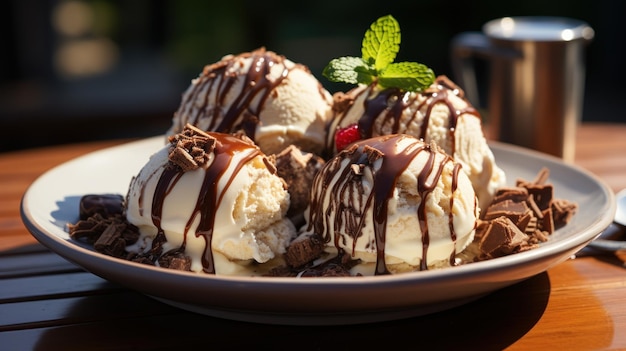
533 206
91 229
542 176
191 148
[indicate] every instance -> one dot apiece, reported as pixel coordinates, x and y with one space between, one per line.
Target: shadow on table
490 323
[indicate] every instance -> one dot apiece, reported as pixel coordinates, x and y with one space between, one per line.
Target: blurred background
79 70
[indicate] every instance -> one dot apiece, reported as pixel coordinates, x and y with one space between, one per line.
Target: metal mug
536 84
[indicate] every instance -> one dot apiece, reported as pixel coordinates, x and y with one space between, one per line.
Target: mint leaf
380 46
381 42
352 70
411 76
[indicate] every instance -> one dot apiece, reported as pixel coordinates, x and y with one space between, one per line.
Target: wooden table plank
34 264
54 286
75 310
583 309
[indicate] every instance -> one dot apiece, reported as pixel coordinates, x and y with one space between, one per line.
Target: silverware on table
613 238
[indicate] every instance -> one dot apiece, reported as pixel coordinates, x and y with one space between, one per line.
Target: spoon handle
611 239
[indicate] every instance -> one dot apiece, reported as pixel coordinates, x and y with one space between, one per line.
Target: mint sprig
379 48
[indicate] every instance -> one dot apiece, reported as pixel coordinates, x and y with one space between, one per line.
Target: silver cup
536 84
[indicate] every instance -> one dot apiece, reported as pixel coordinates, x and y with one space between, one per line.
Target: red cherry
346 136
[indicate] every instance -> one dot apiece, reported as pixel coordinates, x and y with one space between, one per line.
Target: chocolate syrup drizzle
210 195
349 203
385 108
219 80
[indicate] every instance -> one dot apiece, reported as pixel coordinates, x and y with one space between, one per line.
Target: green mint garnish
380 46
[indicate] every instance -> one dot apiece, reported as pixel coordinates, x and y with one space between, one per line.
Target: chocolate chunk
140 258
157 245
106 205
516 194
562 212
338 266
91 229
512 209
527 222
281 271
88 230
304 249
183 159
542 194
530 209
297 169
111 242
502 237
533 206
328 270
175 260
546 222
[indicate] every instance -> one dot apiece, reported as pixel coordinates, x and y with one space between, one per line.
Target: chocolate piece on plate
502 237
304 249
106 205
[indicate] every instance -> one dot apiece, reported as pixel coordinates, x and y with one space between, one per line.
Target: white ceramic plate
52 201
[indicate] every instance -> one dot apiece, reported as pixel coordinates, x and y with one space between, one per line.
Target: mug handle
464 47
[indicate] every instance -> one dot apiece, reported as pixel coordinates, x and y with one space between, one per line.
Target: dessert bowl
51 202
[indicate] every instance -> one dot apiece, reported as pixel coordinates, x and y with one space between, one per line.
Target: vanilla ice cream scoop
439 114
275 101
395 203
213 197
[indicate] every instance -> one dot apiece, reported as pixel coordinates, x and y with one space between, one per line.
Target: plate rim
479 270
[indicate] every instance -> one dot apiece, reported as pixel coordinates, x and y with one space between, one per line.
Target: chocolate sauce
376 105
385 108
210 195
455 184
382 159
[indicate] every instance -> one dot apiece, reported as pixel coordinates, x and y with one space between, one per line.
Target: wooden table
48 303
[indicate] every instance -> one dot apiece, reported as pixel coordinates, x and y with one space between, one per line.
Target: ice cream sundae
265 174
